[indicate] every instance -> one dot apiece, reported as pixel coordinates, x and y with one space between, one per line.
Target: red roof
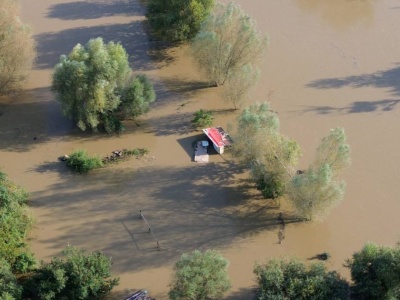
218 136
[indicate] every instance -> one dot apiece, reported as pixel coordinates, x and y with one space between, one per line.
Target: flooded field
329 64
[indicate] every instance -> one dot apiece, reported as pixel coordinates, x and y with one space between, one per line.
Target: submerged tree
74 275
314 193
177 20
200 276
226 43
375 272
239 84
270 155
292 279
94 83
17 47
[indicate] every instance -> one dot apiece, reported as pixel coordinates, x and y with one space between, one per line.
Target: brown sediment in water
326 67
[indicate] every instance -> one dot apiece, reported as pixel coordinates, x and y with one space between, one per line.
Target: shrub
81 162
202 118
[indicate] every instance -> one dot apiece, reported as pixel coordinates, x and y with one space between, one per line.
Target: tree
375 272
94 80
75 275
270 155
239 84
137 97
17 47
314 193
15 223
334 151
200 276
177 20
226 43
9 287
292 279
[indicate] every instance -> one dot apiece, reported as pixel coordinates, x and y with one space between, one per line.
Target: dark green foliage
137 97
202 118
75 275
375 271
81 162
110 123
177 20
9 288
271 185
15 224
291 279
200 276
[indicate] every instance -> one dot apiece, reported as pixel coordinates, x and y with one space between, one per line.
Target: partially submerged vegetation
81 162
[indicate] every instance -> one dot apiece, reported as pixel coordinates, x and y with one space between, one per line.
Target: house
219 138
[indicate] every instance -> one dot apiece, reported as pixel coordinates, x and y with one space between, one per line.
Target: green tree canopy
375 271
17 47
9 287
270 155
74 275
177 20
292 279
200 276
226 43
93 82
314 193
15 223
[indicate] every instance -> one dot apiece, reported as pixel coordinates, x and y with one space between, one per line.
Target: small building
219 138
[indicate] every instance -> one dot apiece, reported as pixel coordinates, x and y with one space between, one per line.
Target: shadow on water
188 208
382 79
50 46
34 117
79 10
379 106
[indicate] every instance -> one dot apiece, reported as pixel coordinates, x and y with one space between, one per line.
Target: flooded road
329 64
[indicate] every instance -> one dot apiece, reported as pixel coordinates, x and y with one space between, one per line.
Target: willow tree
315 192
227 41
17 47
94 83
270 155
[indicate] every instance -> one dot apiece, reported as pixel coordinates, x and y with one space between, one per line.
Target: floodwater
329 64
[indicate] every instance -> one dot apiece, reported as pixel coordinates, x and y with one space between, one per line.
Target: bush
271 185
200 276
75 275
202 119
81 162
292 279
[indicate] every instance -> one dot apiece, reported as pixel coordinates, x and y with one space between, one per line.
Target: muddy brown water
329 64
